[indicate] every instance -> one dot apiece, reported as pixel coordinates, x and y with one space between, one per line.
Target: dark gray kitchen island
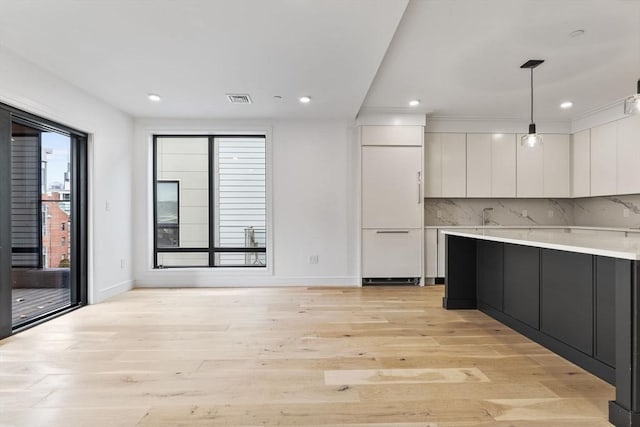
577 295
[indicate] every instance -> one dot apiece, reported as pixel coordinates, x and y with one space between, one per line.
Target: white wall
33 89
311 204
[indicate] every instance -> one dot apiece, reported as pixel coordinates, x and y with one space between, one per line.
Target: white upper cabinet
556 165
445 165
491 165
503 165
433 165
604 159
581 164
479 160
530 176
544 170
391 187
454 165
392 135
628 153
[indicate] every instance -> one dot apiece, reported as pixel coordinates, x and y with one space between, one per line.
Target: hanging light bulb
531 139
632 103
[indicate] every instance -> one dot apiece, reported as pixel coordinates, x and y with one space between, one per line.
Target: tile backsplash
607 211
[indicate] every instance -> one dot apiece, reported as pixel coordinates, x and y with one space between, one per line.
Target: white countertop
526 227
594 243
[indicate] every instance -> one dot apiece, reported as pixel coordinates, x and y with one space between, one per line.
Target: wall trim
197 281
111 291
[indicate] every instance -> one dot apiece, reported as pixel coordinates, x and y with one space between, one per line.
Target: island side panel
605 310
625 410
566 304
522 283
460 273
489 276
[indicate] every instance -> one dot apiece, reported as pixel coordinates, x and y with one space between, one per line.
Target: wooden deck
377 356
30 303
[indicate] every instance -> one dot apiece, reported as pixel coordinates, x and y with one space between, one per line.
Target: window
210 201
62 226
168 213
63 241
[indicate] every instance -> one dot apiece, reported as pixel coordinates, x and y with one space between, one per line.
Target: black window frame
211 250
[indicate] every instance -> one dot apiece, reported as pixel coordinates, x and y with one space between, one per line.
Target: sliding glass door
43 221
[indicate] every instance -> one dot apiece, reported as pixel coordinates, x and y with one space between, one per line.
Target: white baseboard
246 282
111 291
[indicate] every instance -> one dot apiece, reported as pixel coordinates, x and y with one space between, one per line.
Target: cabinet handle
419 187
392 232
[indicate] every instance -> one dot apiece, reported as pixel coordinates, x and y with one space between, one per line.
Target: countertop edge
518 227
633 256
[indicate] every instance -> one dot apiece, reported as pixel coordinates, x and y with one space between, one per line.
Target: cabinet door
628 179
478 165
503 165
392 135
489 273
441 253
556 165
567 298
454 165
433 165
605 323
603 159
581 164
391 253
522 283
530 181
431 252
391 188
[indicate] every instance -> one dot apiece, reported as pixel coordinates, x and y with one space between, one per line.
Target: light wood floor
297 356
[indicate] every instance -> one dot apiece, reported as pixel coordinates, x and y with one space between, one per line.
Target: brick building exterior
56 246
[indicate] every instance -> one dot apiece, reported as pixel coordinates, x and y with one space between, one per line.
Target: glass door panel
41 243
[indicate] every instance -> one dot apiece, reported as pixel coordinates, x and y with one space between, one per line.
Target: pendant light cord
531 95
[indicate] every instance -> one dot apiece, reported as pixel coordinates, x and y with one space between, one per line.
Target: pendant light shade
532 138
632 103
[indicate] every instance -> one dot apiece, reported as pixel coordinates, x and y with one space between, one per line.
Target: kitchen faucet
484 215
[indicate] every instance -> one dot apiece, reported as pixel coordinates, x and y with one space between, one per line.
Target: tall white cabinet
392 203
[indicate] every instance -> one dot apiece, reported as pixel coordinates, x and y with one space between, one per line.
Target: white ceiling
193 52
461 58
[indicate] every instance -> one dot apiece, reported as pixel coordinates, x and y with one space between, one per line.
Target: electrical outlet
525 213
122 263
313 259
107 206
550 214
625 212
439 214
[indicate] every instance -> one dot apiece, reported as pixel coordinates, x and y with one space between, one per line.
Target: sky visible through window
58 160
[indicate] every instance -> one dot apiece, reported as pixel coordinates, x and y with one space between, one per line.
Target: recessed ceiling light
305 99
566 104
414 102
576 33
153 97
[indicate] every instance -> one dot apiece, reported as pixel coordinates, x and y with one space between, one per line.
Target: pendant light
532 138
632 103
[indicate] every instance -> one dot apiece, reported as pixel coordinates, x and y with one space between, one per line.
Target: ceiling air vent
239 98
